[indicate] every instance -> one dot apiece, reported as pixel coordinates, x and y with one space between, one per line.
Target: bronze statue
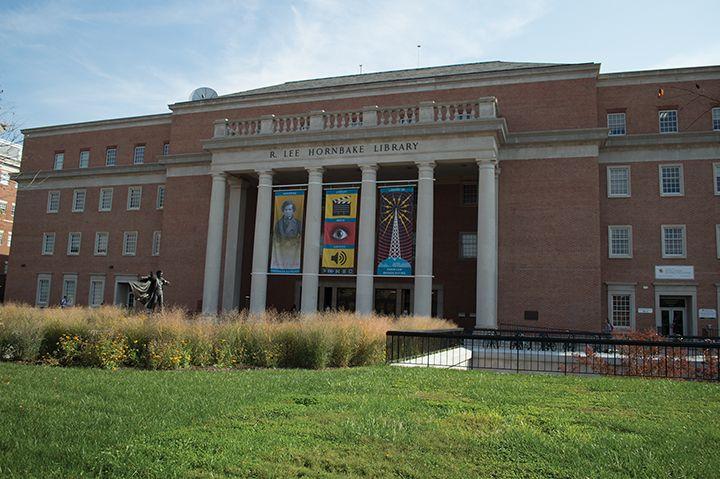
148 290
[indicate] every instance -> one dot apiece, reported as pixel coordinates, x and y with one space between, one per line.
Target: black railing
568 353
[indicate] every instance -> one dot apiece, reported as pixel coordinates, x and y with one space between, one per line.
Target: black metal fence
559 353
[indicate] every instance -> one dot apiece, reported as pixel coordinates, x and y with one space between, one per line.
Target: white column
261 243
424 240
213 250
364 289
487 253
234 244
311 251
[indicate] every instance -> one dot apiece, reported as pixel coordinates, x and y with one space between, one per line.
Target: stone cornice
663 140
185 159
90 172
659 76
551 137
130 122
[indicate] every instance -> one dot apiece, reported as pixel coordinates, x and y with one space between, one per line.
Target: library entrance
390 300
673 314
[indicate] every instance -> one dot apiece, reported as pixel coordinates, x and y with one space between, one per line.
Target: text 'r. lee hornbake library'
496 194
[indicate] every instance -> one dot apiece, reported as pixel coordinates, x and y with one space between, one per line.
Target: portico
367 150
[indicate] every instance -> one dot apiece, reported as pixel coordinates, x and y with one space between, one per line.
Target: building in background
495 194
10 155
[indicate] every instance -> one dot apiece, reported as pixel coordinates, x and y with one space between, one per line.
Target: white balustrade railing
402 115
339 120
456 112
291 124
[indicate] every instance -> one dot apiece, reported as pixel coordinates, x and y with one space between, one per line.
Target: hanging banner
395 231
339 231
287 231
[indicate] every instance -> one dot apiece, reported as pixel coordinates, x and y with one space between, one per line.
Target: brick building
10 154
502 194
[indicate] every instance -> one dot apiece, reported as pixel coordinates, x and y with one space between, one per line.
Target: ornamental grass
110 337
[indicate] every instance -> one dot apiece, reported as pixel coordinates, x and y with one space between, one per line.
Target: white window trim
629 179
159 206
43 276
622 289
461 256
716 175
62 161
677 122
130 188
50 193
607 122
712 114
100 279
44 239
70 253
717 240
135 150
684 233
157 238
682 179
107 246
100 208
80 165
126 234
71 277
107 149
74 201
630 242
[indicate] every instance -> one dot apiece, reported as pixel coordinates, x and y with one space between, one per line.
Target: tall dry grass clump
111 337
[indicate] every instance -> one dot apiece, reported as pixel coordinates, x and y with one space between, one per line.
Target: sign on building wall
287 231
674 272
339 231
395 231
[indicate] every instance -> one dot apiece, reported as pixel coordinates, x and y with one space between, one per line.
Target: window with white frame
59 160
4 178
42 296
97 291
166 149
616 124
3 207
668 121
469 194
2 237
716 119
160 203
620 241
134 196
673 241
618 181
621 310
111 156
101 243
74 243
79 201
48 243
468 245
139 155
156 243
69 289
106 196
53 204
671 180
716 177
84 159
9 243
12 209
130 243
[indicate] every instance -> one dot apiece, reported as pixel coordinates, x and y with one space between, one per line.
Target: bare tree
9 125
688 96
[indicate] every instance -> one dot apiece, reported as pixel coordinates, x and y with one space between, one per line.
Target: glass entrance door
386 302
672 316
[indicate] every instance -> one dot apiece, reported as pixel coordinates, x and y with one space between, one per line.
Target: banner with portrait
287 232
339 231
395 231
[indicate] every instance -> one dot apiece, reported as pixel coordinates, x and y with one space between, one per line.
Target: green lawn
372 422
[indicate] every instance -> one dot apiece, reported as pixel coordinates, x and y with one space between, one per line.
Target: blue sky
71 61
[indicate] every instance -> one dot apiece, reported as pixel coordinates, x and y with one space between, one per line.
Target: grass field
370 422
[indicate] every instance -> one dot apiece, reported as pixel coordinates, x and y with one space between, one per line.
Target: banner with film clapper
339 231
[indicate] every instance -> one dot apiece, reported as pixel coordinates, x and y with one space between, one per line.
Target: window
616 124
716 177
716 119
111 156
156 243
101 243
160 197
53 205
139 155
79 201
73 248
673 241
4 178
59 160
469 195
3 207
84 159
717 240
130 243
106 196
97 291
48 243
618 178
668 121
468 245
620 241
69 289
620 314
42 298
2 237
134 196
671 180
12 209
9 243
166 149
